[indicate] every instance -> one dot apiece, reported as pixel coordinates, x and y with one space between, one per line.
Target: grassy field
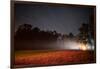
43 58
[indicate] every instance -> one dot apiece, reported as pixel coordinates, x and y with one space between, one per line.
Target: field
45 58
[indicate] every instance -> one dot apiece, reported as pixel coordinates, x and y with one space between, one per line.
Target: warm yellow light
83 46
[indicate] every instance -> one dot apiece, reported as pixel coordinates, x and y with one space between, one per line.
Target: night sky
62 19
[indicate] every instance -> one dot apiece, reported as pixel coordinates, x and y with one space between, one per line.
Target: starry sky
62 19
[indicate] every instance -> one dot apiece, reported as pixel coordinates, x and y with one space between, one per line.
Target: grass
48 57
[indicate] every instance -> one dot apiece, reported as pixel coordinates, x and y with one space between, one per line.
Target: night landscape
51 34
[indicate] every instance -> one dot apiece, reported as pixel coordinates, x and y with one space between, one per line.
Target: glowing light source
83 46
73 45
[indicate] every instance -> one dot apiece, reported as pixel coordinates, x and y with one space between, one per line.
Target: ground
45 58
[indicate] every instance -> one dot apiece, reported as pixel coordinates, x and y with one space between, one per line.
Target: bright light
73 45
83 46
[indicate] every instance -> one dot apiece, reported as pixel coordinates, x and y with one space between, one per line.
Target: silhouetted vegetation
33 38
71 35
28 38
84 31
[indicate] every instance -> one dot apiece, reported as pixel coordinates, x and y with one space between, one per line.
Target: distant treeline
27 37
26 32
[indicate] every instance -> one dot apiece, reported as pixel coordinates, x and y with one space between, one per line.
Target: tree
36 29
24 28
23 31
71 35
83 31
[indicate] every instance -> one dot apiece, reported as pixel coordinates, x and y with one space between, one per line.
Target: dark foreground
46 58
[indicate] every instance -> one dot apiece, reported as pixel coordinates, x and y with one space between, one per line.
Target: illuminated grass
37 58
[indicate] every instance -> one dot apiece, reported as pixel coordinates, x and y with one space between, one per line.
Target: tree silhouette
28 38
71 35
36 29
83 31
24 28
23 31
